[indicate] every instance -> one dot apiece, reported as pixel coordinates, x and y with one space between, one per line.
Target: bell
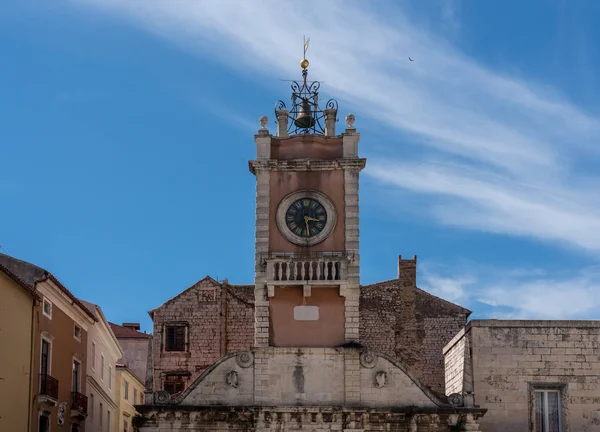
304 119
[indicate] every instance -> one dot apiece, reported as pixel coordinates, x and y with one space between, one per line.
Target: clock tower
307 281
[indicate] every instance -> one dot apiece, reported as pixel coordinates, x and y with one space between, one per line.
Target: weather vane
304 62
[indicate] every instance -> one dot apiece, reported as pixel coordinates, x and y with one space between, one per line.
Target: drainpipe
223 349
31 377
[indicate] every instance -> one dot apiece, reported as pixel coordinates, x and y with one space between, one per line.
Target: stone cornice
584 324
356 164
348 408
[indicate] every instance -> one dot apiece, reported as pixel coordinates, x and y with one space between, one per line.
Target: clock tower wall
307 147
307 277
329 183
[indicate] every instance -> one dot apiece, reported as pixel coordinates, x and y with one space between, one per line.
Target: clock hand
312 219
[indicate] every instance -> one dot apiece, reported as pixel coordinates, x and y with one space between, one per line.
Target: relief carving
456 400
299 379
233 379
381 379
161 397
244 359
368 359
207 296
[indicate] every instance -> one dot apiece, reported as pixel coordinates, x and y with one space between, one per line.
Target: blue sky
127 127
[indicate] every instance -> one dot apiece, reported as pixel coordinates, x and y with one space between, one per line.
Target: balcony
320 269
48 390
78 405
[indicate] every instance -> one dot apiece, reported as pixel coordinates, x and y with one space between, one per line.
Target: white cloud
511 147
518 293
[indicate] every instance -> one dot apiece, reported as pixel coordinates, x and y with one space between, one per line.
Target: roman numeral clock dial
306 217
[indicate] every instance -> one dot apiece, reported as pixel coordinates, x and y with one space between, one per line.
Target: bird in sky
410 59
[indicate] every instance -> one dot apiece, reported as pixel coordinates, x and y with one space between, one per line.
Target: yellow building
129 392
18 325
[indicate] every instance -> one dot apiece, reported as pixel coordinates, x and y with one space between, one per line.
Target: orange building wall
307 146
64 349
330 183
327 331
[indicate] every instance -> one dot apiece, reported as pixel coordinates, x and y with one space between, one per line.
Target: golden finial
304 63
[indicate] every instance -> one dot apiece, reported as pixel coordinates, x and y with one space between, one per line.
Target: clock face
306 217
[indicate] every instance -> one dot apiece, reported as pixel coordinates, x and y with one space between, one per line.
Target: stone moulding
207 371
356 164
265 418
366 359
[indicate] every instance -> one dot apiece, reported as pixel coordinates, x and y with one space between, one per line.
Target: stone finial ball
350 118
264 121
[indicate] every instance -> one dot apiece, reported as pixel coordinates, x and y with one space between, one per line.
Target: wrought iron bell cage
306 116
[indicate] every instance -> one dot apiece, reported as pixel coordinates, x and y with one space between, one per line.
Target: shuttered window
175 340
174 383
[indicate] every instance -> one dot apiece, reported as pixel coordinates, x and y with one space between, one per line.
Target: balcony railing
324 269
79 403
48 386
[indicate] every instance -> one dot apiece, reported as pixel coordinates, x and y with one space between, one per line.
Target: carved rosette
368 359
161 397
456 400
244 359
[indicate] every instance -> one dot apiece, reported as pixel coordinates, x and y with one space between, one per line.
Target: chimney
407 271
132 326
407 278
408 334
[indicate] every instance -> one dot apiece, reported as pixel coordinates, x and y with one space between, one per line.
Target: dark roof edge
453 305
216 283
464 310
75 300
21 283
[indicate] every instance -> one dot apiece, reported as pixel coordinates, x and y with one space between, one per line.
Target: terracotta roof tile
127 333
30 274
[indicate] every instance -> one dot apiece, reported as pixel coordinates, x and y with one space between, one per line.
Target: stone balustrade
300 270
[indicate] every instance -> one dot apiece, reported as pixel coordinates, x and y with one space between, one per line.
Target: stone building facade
306 346
129 391
103 352
526 373
196 328
19 310
59 351
135 345
396 319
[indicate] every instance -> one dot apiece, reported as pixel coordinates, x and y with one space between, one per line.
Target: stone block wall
307 376
437 331
409 324
513 358
454 364
240 317
215 325
395 318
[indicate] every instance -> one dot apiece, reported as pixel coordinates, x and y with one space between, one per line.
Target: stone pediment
307 377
